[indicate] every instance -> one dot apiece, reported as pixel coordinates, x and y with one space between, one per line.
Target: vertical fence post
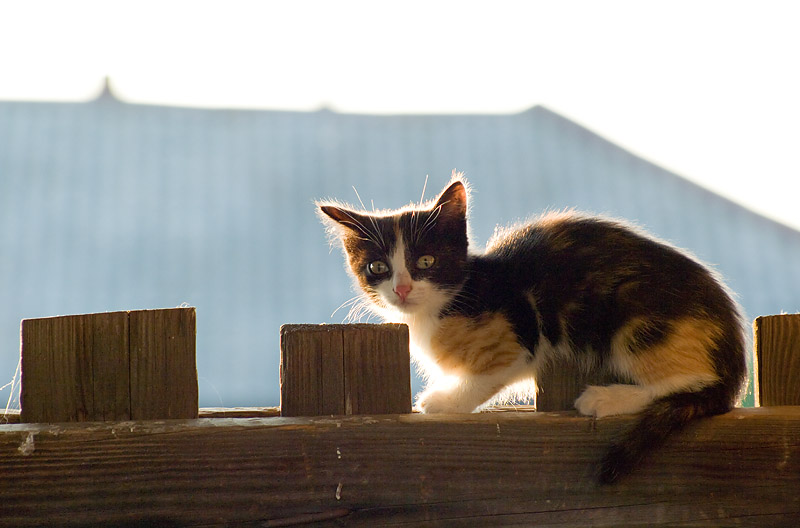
345 369
135 365
776 360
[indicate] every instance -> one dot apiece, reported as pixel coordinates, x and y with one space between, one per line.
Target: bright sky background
708 89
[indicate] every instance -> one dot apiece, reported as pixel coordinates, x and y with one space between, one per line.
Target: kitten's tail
657 421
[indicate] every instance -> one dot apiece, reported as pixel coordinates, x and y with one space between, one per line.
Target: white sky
708 89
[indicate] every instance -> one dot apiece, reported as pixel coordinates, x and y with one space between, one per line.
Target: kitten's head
411 260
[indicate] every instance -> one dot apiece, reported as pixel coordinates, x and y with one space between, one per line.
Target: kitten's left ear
453 200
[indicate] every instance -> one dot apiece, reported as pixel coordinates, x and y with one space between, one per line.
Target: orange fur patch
466 345
684 353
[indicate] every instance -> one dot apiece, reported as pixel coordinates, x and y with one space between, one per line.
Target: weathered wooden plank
75 368
110 366
312 376
162 364
377 369
11 416
777 359
239 412
345 369
490 469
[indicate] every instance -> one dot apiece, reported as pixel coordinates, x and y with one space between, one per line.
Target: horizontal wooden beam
492 469
12 416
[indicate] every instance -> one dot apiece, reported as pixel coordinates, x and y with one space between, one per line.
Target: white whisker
424 186
348 301
430 222
373 235
360 307
376 231
359 198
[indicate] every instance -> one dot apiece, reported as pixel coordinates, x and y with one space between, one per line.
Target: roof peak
106 92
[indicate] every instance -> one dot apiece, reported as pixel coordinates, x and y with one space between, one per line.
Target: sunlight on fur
520 393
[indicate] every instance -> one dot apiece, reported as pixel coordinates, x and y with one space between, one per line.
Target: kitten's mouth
404 305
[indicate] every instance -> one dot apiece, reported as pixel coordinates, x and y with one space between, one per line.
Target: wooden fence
249 467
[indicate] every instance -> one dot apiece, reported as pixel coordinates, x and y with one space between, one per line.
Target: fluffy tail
657 421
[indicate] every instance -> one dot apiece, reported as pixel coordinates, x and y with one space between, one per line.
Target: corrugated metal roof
108 206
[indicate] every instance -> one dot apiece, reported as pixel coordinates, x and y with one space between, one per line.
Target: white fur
421 314
630 399
468 393
612 400
420 310
397 262
450 394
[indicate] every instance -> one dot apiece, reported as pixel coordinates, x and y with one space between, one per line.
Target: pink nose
402 291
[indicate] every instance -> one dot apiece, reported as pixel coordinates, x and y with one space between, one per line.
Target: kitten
565 285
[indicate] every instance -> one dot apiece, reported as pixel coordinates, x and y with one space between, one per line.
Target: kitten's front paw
440 402
594 401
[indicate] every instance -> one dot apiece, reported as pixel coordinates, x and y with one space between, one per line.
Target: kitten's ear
453 200
334 213
334 216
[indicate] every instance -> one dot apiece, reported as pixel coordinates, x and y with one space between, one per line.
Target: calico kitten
565 285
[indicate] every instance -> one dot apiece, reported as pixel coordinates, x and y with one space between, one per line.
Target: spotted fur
594 290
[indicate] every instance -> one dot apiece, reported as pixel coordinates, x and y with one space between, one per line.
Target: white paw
439 402
594 401
611 400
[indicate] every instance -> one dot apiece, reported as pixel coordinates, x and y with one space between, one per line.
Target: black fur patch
434 232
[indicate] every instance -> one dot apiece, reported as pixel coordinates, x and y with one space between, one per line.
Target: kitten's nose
402 291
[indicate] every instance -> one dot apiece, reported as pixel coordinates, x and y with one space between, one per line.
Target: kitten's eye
425 261
378 268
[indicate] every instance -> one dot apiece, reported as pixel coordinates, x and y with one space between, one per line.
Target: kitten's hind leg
471 391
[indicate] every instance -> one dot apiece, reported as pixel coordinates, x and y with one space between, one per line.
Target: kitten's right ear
334 213
335 216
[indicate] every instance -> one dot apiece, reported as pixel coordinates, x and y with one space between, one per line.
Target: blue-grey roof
110 206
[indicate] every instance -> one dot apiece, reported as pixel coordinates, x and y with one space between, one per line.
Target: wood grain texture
489 469
75 368
377 368
312 370
163 364
109 366
777 359
345 369
239 412
12 416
